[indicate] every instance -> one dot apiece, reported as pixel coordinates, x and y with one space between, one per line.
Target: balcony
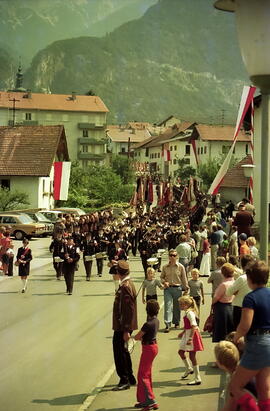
91 156
23 123
91 141
91 126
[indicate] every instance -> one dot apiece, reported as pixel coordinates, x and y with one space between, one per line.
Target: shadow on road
67 400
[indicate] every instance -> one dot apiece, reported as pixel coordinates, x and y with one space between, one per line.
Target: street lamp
252 22
248 172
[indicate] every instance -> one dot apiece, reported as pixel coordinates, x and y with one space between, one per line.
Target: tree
184 171
12 200
122 167
208 171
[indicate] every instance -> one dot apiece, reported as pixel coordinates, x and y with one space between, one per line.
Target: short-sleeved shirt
259 301
215 278
151 286
150 329
195 288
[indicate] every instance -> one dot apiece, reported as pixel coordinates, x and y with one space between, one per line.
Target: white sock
187 364
197 373
25 284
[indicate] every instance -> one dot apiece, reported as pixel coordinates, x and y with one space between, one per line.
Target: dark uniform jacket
24 254
125 308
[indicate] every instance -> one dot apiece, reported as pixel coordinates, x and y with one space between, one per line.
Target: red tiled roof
235 177
171 132
138 126
58 102
30 150
220 133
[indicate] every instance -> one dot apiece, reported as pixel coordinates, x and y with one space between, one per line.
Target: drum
160 252
88 258
152 261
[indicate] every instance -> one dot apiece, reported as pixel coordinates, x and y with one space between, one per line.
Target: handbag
209 323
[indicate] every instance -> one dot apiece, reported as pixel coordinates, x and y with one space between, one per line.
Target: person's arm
245 323
163 278
219 293
139 335
184 279
210 279
235 287
143 294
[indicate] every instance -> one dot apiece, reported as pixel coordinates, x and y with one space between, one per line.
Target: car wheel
19 235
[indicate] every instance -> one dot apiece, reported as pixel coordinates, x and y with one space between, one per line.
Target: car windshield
50 216
41 217
25 219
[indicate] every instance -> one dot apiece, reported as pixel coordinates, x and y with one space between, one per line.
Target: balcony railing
91 126
91 141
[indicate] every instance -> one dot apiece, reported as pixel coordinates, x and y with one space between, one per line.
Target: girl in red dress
191 340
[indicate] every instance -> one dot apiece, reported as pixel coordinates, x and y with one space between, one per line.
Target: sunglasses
173 255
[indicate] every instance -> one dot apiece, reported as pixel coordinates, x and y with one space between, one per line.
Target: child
227 357
251 242
150 284
196 288
233 245
190 339
147 335
24 256
216 277
244 248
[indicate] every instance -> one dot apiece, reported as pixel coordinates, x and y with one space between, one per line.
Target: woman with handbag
24 256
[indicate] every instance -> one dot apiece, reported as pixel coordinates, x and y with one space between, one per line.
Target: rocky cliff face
31 25
181 57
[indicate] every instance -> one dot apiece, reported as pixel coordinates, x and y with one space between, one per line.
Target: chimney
73 95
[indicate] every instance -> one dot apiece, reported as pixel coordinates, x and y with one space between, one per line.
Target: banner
247 97
61 180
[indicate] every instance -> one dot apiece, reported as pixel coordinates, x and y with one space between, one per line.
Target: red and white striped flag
61 179
166 154
247 97
251 152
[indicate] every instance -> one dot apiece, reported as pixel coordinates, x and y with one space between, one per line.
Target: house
28 154
83 116
120 138
235 185
196 143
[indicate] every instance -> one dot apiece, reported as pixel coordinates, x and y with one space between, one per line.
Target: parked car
66 210
52 215
38 217
22 225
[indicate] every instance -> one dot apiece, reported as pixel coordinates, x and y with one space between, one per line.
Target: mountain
31 25
181 57
7 68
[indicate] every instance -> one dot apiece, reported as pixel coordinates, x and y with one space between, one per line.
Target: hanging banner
61 179
247 97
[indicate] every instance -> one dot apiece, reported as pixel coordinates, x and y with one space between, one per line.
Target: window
225 149
155 155
171 148
85 148
205 150
175 148
43 185
5 184
85 133
147 152
28 116
123 150
187 150
9 220
158 155
201 150
187 161
174 161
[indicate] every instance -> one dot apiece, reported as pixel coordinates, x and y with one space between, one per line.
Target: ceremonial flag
61 180
150 192
252 152
166 154
247 97
193 143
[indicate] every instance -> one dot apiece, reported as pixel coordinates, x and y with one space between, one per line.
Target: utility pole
13 110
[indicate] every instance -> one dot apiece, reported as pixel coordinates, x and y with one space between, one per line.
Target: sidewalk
171 393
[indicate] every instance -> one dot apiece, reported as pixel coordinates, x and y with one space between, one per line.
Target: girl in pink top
222 305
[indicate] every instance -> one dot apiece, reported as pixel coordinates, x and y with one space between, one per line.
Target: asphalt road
56 349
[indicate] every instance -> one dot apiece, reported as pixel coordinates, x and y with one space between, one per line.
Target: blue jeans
171 305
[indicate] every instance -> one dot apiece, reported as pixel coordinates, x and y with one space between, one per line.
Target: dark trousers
88 268
58 268
144 264
10 266
99 266
151 297
122 358
237 311
68 271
